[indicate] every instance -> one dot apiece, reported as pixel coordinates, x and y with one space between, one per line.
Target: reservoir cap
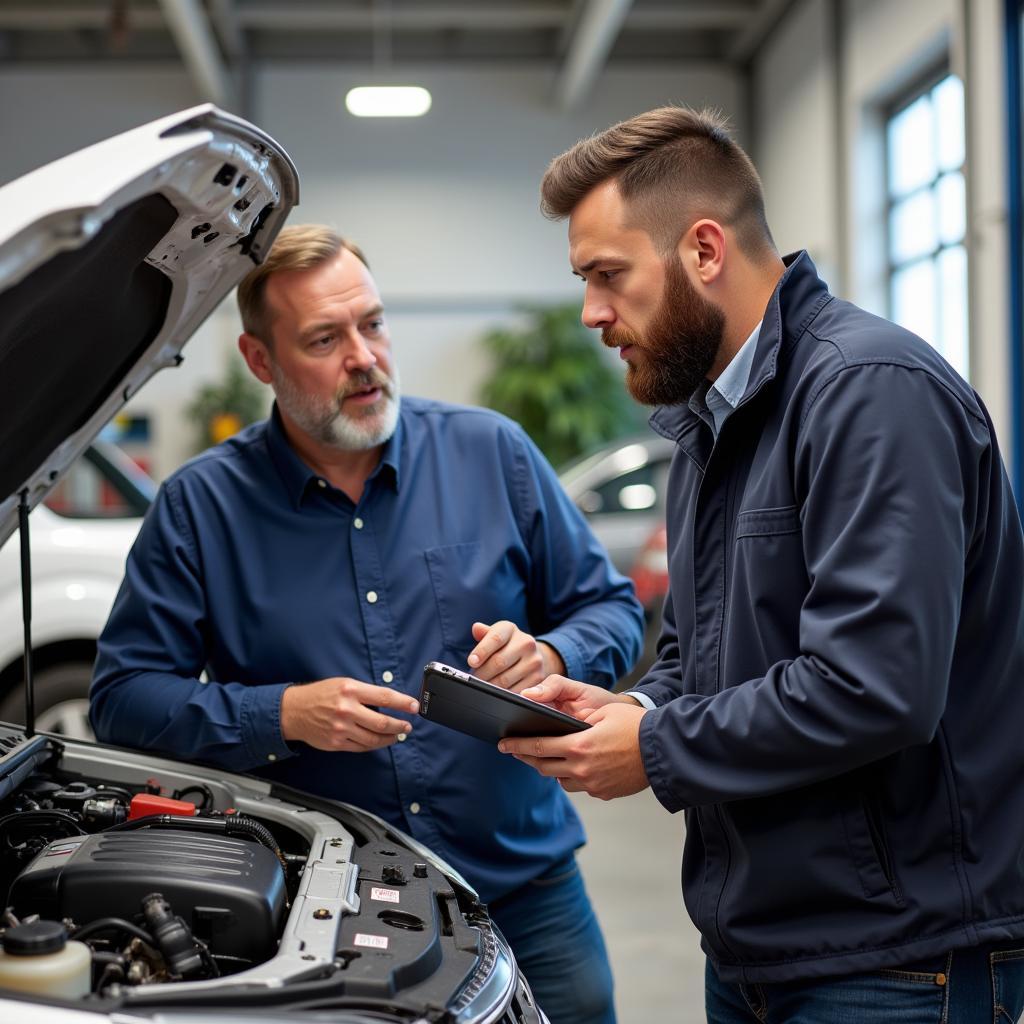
35 939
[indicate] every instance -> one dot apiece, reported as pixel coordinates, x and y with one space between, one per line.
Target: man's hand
603 760
507 656
338 714
572 697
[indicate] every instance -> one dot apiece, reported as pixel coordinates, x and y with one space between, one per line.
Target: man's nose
358 355
597 313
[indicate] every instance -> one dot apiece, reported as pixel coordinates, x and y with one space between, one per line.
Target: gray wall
821 85
446 206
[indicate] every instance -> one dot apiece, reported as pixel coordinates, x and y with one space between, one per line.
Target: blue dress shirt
253 568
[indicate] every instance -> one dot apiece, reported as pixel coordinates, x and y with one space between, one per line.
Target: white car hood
110 258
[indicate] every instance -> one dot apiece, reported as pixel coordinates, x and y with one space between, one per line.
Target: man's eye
323 342
373 326
608 275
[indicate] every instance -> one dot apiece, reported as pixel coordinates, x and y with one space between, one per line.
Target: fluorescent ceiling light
388 101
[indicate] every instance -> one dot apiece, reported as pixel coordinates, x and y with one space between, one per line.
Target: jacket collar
796 301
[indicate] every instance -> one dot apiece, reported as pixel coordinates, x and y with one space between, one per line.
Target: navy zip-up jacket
839 689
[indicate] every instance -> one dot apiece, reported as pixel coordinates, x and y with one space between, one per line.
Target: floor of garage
631 867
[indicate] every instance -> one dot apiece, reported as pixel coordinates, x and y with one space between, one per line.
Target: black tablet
485 710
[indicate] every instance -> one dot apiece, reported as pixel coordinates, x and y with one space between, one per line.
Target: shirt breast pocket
470 585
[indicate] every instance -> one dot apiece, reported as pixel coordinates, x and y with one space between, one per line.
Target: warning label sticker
373 941
384 895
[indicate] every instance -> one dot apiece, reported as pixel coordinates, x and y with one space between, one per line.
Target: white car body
77 565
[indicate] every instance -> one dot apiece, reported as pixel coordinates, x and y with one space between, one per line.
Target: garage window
927 217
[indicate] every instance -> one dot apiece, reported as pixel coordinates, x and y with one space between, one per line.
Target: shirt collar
298 478
732 381
714 402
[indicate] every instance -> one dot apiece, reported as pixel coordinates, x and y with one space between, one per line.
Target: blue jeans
554 934
981 985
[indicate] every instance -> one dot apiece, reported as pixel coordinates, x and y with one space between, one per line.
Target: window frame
1014 34
918 87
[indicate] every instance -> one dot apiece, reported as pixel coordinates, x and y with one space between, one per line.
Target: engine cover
231 892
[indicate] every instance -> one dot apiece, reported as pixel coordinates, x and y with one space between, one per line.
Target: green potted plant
552 377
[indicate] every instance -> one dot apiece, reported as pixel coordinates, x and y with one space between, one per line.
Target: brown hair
300 247
672 165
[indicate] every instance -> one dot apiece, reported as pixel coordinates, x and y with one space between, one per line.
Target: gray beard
325 422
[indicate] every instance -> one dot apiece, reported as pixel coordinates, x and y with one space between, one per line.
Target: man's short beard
679 347
325 421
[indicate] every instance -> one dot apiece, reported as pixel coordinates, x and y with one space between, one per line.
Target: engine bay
190 887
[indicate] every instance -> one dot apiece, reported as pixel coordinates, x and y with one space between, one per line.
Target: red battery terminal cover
145 804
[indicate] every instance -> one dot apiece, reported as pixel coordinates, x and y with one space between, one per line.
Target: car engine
185 887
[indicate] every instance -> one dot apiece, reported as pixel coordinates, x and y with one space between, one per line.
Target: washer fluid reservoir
39 958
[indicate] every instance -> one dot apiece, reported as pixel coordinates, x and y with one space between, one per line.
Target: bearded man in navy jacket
839 689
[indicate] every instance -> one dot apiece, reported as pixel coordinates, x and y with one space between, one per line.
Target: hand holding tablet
486 711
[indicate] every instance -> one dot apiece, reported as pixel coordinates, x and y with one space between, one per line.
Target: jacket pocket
869 847
768 522
767 584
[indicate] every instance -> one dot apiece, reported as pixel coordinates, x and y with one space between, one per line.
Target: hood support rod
26 613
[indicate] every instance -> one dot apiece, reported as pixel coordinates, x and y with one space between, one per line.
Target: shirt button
271 757
321 483
388 677
371 596
414 807
357 523
401 737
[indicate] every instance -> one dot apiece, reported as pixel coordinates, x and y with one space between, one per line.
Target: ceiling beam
194 38
759 27
724 15
298 17
230 19
229 32
56 19
596 32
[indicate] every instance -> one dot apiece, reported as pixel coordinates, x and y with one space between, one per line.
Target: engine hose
105 924
254 829
174 938
66 823
202 789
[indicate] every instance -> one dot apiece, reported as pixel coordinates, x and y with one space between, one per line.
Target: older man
316 561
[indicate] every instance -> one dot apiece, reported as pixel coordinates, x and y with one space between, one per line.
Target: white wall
446 206
793 117
821 85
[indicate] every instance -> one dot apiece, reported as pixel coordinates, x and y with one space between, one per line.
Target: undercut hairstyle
301 247
673 166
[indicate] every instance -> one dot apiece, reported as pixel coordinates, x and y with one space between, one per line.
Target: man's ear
703 248
256 356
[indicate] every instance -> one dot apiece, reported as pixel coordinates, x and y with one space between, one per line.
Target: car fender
62 609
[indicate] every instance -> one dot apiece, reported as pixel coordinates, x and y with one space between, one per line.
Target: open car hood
110 258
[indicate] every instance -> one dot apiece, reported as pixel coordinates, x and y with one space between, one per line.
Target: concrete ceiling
216 39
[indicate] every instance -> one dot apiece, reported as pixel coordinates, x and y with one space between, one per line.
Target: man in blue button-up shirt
315 562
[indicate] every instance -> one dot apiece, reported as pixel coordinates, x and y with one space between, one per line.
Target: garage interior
446 207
